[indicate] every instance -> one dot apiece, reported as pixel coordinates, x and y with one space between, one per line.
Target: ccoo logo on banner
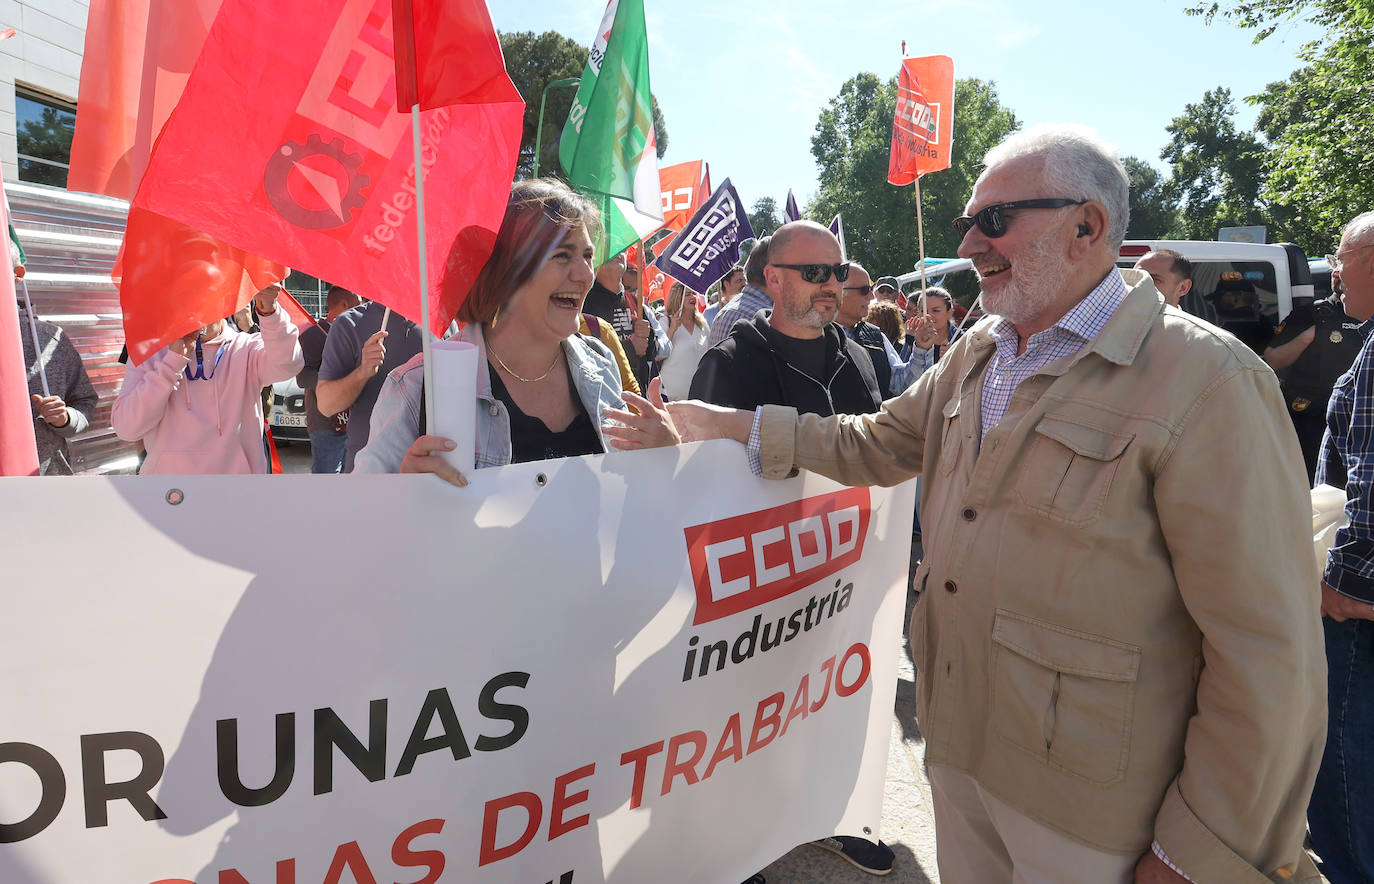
487 719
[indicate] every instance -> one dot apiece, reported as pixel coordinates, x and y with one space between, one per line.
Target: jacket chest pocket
951 434
1069 470
1066 697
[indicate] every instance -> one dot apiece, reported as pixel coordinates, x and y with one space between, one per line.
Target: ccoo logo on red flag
923 124
310 162
745 561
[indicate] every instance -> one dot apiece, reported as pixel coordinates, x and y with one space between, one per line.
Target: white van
1246 288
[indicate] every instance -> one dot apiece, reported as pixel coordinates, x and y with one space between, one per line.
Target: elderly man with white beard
1117 638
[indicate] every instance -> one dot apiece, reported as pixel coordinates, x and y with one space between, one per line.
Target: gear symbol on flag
324 179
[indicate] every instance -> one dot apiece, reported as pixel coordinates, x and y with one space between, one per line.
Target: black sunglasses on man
818 274
993 223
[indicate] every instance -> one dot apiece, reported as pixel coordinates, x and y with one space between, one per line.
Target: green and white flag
608 148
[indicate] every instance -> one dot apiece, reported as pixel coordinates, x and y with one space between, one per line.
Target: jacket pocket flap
1086 441
1066 650
951 407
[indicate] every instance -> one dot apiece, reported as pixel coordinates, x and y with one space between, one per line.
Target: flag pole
33 331
424 271
921 243
639 251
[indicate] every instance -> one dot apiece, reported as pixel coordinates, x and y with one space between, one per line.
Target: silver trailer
71 240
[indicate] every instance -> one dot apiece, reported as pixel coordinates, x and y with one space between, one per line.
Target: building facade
39 70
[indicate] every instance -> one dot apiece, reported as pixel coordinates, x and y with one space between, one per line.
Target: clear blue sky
742 83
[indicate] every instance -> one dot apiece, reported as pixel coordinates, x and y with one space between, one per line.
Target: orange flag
923 125
683 187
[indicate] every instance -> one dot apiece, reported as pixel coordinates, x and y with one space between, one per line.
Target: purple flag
837 228
709 245
789 211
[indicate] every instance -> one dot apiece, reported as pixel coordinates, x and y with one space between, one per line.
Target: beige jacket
1118 633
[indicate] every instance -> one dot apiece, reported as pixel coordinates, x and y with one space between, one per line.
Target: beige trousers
981 840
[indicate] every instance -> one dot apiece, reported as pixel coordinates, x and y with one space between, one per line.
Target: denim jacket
396 418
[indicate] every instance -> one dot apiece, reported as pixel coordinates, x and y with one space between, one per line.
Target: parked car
287 416
1250 287
1321 278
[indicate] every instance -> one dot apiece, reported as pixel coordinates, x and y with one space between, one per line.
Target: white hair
1080 164
1360 230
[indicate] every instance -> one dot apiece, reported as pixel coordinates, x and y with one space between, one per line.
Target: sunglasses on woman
992 221
819 273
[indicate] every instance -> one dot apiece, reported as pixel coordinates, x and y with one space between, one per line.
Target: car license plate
288 420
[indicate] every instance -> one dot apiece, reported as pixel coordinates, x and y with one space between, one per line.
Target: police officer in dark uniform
1314 345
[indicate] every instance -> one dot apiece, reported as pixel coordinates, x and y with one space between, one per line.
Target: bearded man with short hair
1117 638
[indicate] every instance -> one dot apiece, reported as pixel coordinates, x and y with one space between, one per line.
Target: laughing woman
545 387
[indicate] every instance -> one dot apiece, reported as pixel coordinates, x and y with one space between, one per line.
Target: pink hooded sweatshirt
207 426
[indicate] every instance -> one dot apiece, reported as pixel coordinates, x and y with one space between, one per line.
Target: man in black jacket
794 354
607 301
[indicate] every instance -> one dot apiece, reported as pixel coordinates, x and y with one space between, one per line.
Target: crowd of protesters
1066 444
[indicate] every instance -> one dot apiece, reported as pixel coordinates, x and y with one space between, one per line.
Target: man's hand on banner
424 457
700 421
52 409
650 427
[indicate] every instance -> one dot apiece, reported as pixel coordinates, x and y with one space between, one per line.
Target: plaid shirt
748 302
1076 328
1347 459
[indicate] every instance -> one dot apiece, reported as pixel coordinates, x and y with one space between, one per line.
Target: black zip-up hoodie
744 371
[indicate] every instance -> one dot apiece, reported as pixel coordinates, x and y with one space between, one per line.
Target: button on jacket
1119 634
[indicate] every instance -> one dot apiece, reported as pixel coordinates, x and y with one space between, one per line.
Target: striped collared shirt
1070 334
749 301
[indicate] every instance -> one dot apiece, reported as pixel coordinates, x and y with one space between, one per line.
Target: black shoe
756 878
876 859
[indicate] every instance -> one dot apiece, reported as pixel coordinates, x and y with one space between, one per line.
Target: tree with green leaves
764 218
851 146
1320 121
1217 169
1153 214
534 61
48 137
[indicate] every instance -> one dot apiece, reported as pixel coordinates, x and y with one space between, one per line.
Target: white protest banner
638 667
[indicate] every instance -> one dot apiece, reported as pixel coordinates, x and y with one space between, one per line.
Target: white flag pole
921 244
424 270
33 330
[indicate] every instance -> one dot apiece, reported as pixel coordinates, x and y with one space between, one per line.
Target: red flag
317 169
447 52
137 57
653 281
18 448
173 279
923 125
300 317
683 187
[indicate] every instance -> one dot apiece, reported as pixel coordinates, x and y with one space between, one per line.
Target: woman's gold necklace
546 373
